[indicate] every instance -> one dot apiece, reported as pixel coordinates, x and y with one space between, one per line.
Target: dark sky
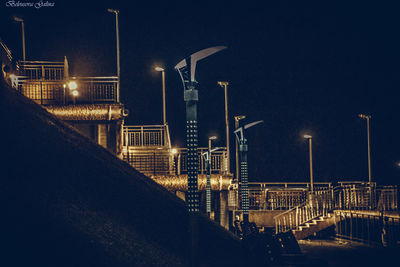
299 67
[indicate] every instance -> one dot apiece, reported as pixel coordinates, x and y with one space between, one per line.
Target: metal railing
155 161
151 163
367 228
218 161
146 136
365 197
275 196
96 89
90 90
42 70
315 207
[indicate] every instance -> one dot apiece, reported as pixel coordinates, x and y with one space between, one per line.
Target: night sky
299 67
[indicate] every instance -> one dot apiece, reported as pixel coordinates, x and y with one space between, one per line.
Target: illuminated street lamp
163 93
244 169
237 119
367 118
309 137
116 12
187 69
208 161
225 86
23 35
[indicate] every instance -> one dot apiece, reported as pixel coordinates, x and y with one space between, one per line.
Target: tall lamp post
225 86
163 93
309 137
244 170
367 118
237 119
187 69
116 12
23 35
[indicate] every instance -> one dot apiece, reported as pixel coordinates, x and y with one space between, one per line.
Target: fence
51 92
146 136
368 228
218 161
42 70
293 218
364 197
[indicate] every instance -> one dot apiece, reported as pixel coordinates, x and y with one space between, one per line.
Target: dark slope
65 201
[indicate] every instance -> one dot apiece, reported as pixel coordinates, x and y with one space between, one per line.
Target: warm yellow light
124 150
174 151
212 137
72 85
159 69
75 93
307 136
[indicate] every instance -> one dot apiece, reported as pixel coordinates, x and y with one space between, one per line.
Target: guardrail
53 92
372 229
146 136
42 70
218 161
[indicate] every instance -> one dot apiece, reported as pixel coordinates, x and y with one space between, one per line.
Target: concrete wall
262 218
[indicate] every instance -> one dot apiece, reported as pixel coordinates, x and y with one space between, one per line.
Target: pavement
344 253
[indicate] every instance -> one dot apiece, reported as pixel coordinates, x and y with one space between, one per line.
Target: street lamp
244 169
237 119
118 61
367 118
225 86
23 35
208 160
187 69
163 93
309 137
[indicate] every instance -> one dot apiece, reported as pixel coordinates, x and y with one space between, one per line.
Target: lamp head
212 137
18 19
362 116
307 136
240 117
222 84
113 11
159 69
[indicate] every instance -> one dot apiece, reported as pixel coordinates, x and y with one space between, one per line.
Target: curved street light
367 118
23 35
225 86
116 12
159 69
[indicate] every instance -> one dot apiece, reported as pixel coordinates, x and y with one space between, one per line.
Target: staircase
314 226
306 219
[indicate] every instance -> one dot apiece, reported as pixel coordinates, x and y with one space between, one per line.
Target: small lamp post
163 93
116 12
309 137
237 119
23 35
225 86
367 118
208 161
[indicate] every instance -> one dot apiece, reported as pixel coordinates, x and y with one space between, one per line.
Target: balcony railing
146 136
43 70
56 92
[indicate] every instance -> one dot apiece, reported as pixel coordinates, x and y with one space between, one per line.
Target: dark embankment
65 201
